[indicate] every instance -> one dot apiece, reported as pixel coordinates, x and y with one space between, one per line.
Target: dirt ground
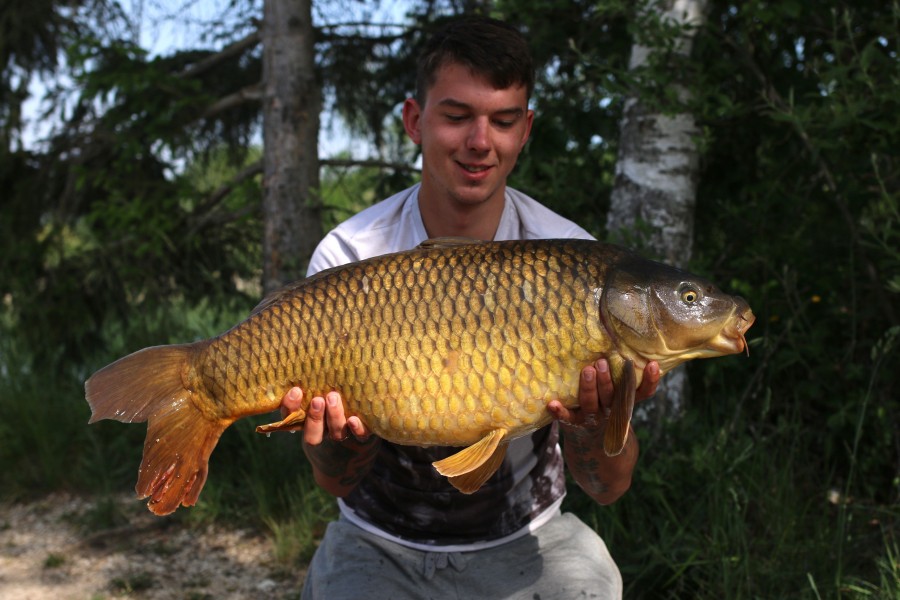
48 552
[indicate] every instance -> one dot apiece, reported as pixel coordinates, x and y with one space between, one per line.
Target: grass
742 511
296 535
133 582
54 561
735 501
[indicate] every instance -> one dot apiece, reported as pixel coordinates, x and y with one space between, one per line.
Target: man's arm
604 478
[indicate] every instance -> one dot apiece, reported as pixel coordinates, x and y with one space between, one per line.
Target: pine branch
251 93
223 190
211 61
330 33
206 214
380 164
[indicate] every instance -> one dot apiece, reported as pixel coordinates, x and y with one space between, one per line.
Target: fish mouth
745 321
732 339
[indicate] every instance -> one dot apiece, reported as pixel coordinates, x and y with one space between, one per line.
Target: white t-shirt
395 224
403 498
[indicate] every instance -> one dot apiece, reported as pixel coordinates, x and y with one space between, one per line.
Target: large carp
454 343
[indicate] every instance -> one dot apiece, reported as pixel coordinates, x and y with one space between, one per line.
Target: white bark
656 171
652 203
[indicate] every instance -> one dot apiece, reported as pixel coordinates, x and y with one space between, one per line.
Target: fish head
666 314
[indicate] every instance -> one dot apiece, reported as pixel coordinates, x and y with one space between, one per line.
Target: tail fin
149 385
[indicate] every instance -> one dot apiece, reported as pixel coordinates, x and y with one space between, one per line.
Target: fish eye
689 294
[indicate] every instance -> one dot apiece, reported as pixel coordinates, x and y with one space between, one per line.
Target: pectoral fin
469 468
292 422
625 385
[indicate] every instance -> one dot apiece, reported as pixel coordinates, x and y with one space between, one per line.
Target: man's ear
529 121
412 116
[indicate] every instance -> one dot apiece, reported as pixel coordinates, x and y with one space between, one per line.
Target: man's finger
588 399
291 401
649 381
560 412
334 416
357 428
604 383
314 427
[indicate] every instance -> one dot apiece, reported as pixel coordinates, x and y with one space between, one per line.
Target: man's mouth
474 168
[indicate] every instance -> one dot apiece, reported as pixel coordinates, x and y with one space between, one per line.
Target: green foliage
122 249
784 478
54 561
107 216
32 36
296 532
582 52
133 582
799 199
45 442
733 505
347 191
365 70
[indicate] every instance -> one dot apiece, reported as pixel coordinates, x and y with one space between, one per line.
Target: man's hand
325 418
595 394
604 478
341 450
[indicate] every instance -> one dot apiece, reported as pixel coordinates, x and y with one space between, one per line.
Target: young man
404 531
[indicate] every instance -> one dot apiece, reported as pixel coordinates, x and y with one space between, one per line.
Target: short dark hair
488 47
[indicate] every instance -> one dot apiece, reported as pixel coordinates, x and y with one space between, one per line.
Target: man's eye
455 118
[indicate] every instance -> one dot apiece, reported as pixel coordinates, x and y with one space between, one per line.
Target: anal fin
625 384
176 457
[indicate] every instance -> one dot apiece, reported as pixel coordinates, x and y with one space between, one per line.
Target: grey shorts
563 559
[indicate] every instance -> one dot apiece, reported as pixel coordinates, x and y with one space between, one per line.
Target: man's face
471 135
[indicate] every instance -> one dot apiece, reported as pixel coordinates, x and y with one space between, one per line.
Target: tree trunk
291 106
652 202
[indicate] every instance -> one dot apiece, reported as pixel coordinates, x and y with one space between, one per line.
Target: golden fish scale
434 347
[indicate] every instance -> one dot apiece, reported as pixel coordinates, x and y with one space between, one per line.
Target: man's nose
479 135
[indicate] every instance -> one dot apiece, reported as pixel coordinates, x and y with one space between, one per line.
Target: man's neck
451 219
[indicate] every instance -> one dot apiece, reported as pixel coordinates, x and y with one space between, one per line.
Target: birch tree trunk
291 105
652 202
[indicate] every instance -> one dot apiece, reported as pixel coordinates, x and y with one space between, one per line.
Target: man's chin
476 194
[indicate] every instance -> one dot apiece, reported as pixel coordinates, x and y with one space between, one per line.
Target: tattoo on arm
347 463
581 453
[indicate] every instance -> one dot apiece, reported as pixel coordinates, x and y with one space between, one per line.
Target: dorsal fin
449 242
276 296
290 289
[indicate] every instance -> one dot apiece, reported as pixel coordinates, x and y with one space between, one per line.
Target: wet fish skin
454 344
430 350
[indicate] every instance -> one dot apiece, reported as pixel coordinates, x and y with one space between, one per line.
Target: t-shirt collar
508 229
